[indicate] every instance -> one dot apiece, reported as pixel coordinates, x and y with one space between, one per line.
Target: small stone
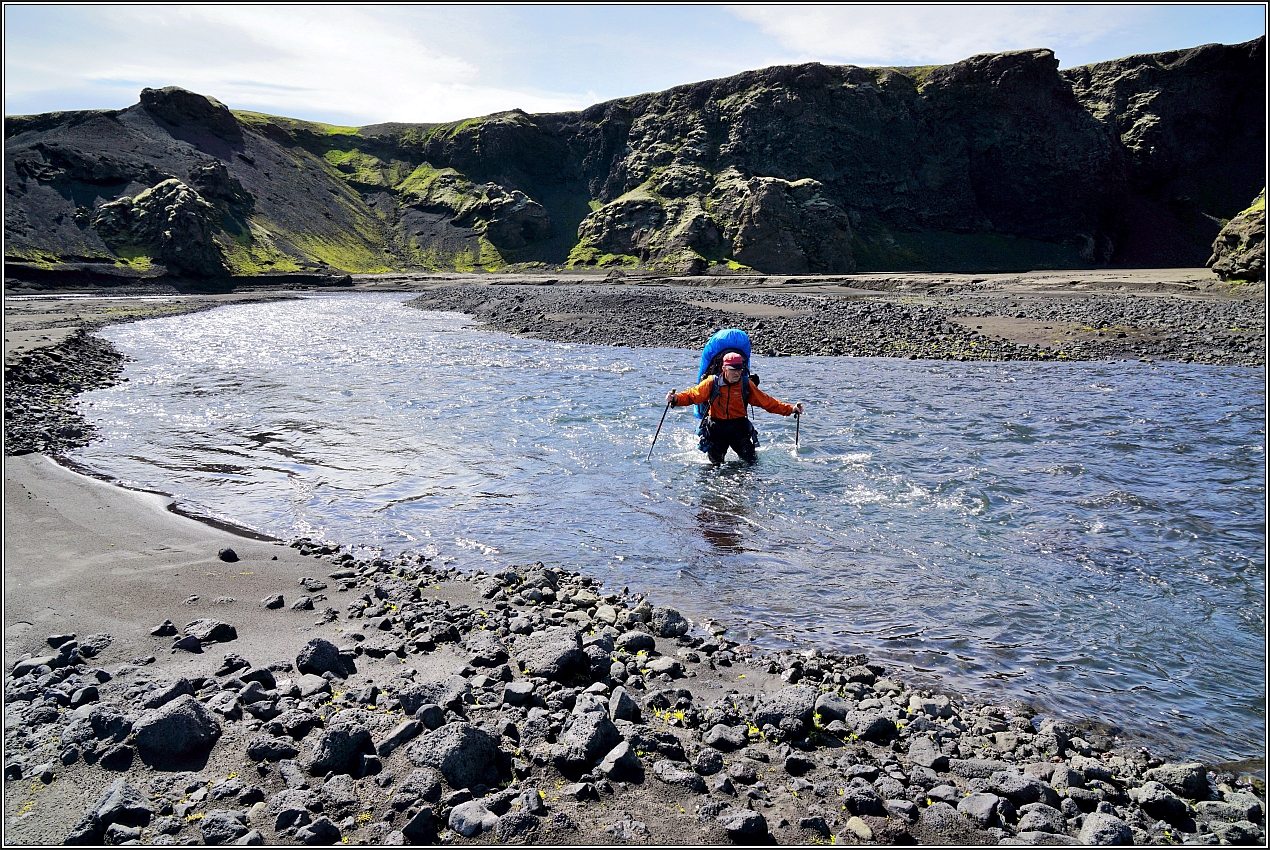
211 631
1104 829
182 726
674 774
472 818
221 827
320 656
166 629
622 765
189 643
227 555
273 602
322 831
859 829
743 826
797 764
726 738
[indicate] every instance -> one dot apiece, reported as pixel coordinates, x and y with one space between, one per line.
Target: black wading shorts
719 435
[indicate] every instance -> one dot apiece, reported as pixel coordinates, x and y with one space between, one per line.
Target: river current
1089 537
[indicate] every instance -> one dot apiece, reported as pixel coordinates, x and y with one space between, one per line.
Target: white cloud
364 64
934 34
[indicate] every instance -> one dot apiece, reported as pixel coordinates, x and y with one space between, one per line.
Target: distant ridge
998 162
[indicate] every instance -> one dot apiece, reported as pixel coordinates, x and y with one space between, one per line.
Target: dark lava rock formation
1239 252
997 162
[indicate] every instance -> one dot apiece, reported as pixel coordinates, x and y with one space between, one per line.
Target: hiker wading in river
726 424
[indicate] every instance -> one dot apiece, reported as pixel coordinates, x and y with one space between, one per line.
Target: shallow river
1085 536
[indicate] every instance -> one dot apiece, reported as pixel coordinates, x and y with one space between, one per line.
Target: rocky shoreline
976 326
533 705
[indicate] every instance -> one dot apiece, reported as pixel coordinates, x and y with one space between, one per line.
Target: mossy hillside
349 236
134 257
46 260
366 171
588 256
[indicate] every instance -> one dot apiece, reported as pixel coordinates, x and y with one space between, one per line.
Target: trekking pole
797 421
659 424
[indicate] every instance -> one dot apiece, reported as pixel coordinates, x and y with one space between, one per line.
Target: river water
1085 536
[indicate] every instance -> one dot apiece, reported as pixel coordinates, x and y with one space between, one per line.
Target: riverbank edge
856 725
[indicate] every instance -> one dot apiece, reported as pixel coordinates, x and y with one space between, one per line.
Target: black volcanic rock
998 162
180 108
170 221
1239 251
1192 127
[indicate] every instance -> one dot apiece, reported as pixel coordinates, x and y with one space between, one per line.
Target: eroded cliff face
1239 251
996 162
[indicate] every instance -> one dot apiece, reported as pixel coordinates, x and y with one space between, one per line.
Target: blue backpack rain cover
728 339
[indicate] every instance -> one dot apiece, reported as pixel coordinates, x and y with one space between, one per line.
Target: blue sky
360 65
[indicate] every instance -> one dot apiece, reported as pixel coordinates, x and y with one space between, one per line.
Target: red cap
733 359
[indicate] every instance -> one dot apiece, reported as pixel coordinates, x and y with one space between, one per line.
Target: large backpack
723 342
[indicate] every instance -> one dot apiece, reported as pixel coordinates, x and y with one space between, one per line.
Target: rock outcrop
1239 252
996 162
170 221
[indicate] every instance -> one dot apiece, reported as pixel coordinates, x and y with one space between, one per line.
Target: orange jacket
728 404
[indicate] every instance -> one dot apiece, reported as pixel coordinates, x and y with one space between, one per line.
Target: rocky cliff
996 162
1239 252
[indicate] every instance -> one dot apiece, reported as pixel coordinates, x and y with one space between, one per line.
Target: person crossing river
727 396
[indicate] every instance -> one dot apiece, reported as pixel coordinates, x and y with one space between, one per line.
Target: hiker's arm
697 395
770 404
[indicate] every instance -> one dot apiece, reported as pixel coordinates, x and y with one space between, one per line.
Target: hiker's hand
670 398
798 408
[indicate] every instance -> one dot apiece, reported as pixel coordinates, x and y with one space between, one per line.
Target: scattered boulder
796 702
554 653
1103 829
221 827
322 831
465 754
726 738
590 736
211 631
181 727
166 693
339 747
485 649
121 804
622 765
668 622
472 818
743 826
674 773
269 748
320 656
1189 780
